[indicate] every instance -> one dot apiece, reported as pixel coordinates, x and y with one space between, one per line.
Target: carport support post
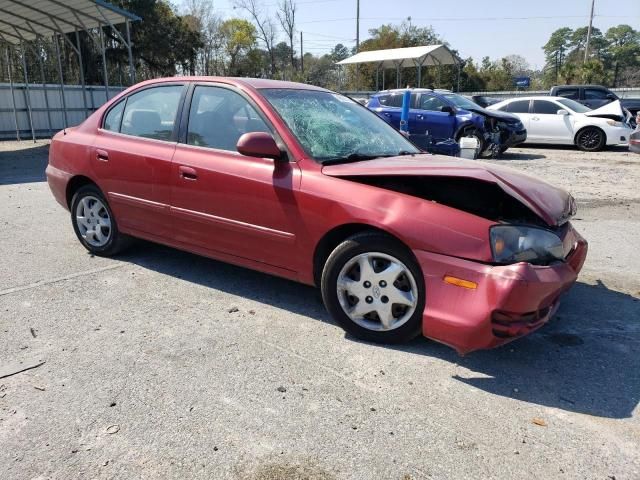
81 65
27 93
104 64
45 91
13 98
61 78
132 70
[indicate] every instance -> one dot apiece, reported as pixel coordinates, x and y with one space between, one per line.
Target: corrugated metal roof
27 19
405 57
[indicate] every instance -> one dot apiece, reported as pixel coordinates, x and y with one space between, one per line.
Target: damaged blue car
439 115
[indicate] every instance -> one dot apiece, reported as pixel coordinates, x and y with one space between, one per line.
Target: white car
562 121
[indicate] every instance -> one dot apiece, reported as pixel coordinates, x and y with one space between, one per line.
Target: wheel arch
331 239
74 184
583 128
461 128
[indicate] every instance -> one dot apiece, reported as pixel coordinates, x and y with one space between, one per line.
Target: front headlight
515 243
613 123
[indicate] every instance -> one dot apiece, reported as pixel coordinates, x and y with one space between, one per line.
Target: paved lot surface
161 364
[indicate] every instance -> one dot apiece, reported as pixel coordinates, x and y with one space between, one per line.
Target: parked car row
304 183
437 115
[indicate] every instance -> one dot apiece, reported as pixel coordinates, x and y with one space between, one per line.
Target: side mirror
562 112
258 144
447 109
611 96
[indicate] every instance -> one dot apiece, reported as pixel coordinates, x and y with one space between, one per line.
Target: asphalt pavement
163 364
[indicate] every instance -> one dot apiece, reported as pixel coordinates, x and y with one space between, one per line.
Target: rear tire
374 288
94 223
590 139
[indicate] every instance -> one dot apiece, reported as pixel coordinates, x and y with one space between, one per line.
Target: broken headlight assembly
519 243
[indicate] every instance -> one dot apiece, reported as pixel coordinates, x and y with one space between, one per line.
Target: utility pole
586 47
301 55
357 42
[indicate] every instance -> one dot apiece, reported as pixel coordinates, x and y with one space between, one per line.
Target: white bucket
468 147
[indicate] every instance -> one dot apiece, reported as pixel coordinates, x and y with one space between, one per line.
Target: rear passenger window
545 107
151 113
394 100
519 106
571 93
114 117
218 117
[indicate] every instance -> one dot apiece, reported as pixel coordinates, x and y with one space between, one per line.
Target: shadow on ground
25 165
586 360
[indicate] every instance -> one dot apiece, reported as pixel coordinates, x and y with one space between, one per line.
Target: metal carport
23 21
426 55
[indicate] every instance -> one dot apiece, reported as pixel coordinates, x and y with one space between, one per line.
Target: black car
594 96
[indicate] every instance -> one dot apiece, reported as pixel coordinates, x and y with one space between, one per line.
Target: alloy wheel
377 291
93 221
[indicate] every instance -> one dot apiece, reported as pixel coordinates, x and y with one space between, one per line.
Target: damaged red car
304 183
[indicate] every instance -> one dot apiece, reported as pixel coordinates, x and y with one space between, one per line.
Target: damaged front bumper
508 301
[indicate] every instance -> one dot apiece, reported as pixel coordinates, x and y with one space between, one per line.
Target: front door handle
535 118
102 155
187 173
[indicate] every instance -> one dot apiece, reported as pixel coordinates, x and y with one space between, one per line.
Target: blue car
438 115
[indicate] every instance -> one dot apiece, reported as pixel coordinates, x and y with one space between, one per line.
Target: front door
131 157
547 126
431 120
224 201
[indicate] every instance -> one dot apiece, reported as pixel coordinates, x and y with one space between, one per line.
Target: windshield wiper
352 157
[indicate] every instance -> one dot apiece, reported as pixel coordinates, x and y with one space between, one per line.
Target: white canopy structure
23 21
427 55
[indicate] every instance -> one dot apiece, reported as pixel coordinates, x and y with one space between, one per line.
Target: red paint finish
272 215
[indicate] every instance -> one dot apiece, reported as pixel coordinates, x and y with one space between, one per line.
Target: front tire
374 289
94 223
591 139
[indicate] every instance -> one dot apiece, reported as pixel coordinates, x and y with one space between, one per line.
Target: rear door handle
102 155
187 173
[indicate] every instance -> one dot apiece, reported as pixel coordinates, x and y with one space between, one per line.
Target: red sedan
304 183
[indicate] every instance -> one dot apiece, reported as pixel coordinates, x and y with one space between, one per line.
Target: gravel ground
161 364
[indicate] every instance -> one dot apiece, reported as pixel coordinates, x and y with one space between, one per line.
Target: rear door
391 108
224 201
547 126
131 156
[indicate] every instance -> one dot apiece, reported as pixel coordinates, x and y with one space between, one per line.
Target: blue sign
522 82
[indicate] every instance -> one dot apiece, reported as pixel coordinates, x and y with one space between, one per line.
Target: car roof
401 90
534 97
256 83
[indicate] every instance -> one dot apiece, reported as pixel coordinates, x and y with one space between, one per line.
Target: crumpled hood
553 205
613 111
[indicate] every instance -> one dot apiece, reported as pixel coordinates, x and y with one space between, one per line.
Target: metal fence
48 114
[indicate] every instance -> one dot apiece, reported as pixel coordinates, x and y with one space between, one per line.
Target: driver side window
218 117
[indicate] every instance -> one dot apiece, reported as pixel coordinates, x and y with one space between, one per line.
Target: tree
162 42
264 25
287 17
239 36
556 49
624 49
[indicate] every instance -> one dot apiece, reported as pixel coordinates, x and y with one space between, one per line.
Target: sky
493 28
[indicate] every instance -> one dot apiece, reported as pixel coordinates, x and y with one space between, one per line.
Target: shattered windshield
331 127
